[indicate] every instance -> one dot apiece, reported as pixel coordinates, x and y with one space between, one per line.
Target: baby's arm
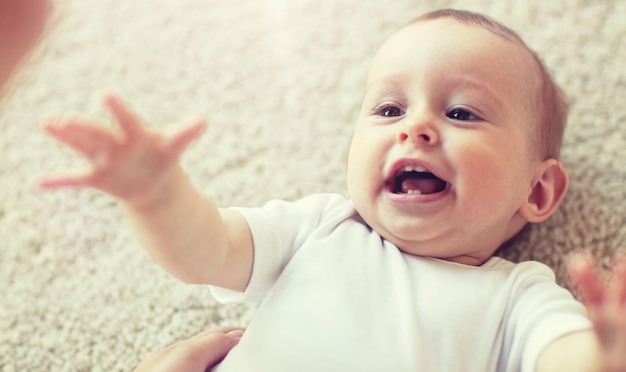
604 348
180 227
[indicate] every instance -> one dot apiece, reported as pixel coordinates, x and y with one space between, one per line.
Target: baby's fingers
584 275
88 139
67 180
180 140
129 122
618 281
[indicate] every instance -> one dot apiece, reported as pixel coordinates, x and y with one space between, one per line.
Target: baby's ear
547 191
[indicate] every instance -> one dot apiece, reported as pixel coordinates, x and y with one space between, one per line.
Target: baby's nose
419 133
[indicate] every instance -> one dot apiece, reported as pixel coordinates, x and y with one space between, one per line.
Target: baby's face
440 162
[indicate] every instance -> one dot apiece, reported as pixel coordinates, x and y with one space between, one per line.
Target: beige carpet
280 81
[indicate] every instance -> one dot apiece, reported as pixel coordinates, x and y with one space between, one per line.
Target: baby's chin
441 247
407 243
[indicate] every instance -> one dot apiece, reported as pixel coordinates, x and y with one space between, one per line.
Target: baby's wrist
159 195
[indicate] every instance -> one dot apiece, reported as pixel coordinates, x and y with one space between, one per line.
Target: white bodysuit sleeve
541 313
278 229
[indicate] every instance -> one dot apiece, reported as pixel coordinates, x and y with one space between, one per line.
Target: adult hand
606 305
132 162
21 24
196 354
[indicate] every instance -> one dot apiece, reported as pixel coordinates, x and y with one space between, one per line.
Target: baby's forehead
432 29
479 44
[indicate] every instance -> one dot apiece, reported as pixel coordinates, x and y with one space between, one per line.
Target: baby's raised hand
133 163
606 304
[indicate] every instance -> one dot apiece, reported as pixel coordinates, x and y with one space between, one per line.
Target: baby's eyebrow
466 83
390 85
386 82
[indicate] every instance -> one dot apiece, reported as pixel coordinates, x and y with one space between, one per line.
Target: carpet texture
280 82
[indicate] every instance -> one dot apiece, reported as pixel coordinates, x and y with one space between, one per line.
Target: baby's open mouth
416 181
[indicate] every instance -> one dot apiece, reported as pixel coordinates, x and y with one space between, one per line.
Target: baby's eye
461 114
389 111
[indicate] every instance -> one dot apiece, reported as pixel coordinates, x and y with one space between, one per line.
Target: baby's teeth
414 192
417 168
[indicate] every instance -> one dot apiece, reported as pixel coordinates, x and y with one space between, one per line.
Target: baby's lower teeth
414 192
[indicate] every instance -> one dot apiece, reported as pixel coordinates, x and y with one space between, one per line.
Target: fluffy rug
280 82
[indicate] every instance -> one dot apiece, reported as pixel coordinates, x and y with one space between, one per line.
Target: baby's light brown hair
549 102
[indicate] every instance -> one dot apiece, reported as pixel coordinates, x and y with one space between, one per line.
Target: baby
454 152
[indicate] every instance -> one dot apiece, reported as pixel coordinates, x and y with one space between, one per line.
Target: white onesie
335 296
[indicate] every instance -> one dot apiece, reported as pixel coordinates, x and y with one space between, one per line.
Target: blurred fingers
583 273
618 280
86 138
180 140
129 122
67 180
